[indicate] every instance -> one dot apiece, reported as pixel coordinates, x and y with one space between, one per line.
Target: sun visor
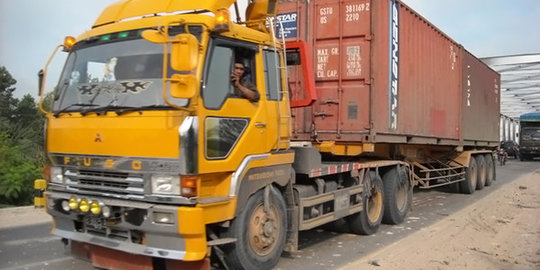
136 8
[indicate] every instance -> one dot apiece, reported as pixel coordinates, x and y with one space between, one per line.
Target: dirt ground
501 231
22 216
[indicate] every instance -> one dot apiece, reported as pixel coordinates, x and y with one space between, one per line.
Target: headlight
56 175
166 184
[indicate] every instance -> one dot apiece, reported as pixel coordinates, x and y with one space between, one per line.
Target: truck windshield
123 74
532 133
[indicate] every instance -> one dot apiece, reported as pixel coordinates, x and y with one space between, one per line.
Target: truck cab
147 141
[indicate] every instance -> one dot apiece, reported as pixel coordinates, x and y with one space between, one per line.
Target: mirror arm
42 78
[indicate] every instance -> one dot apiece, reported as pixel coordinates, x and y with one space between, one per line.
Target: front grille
105 183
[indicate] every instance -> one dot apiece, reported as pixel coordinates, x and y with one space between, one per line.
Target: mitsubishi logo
98 137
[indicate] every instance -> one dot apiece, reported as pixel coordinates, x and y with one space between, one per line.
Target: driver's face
238 69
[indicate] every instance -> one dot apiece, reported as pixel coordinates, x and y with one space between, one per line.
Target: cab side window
217 86
272 74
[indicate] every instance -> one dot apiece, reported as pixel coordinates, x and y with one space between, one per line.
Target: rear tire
397 195
454 187
369 219
482 173
468 186
260 234
490 169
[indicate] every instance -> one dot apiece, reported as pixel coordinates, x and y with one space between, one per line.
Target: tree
16 173
7 101
21 143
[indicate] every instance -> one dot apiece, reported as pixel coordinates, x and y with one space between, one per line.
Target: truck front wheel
368 220
259 232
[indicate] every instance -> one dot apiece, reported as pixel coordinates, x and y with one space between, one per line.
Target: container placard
287 26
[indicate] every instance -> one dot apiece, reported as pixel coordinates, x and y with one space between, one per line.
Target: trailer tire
260 236
369 219
397 195
490 169
468 186
482 173
454 187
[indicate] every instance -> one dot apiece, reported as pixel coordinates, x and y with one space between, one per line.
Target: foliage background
21 144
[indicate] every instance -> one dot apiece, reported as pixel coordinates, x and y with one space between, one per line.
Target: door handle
260 125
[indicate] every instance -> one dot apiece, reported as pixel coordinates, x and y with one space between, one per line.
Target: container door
342 66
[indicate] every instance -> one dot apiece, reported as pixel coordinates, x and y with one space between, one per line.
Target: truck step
221 241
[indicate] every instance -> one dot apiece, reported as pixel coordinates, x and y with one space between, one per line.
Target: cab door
230 127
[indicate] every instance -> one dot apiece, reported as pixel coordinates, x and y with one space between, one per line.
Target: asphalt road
32 247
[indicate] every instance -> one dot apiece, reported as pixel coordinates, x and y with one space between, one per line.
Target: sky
31 29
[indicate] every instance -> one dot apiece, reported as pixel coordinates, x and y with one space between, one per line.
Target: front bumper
132 227
530 151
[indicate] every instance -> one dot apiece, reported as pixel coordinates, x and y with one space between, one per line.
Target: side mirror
183 85
184 57
184 52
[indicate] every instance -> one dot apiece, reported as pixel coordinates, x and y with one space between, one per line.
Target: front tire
398 195
260 234
369 219
468 186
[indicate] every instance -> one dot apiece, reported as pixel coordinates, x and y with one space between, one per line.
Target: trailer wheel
482 173
490 173
397 195
368 220
260 234
468 186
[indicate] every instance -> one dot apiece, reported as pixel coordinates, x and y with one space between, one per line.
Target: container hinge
330 101
322 114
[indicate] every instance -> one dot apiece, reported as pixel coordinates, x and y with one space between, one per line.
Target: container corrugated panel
481 100
384 74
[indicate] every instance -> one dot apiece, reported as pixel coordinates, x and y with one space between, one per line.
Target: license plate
94 222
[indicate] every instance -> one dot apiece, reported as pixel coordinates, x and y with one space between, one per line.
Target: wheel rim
374 205
474 175
489 170
401 197
264 230
483 173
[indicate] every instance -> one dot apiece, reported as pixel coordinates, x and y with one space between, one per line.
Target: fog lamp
65 206
95 208
84 206
160 217
73 203
106 211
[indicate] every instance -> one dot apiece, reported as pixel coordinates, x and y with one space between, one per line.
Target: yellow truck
159 158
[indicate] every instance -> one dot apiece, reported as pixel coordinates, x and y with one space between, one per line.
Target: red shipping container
384 74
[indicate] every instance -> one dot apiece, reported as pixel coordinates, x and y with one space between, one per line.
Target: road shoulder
501 231
22 216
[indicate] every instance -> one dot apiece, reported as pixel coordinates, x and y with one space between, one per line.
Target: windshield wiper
56 114
118 109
